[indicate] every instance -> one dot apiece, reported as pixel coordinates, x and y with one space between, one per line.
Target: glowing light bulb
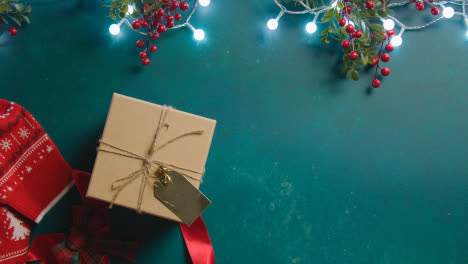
311 27
114 29
396 41
130 10
448 12
388 24
272 24
204 2
199 34
467 33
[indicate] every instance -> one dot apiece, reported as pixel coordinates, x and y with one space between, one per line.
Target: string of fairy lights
198 34
447 12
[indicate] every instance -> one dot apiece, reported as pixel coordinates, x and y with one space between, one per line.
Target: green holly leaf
355 75
325 40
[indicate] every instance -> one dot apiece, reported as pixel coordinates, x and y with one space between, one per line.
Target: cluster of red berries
12 30
384 57
355 34
421 4
156 23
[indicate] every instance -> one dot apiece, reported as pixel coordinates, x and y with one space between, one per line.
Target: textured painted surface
305 167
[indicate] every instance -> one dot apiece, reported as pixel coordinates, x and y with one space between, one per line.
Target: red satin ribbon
198 242
40 247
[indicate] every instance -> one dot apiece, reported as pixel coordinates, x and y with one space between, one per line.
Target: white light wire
318 10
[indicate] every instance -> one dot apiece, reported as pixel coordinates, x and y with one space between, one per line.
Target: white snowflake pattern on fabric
28 169
49 149
19 232
6 144
24 133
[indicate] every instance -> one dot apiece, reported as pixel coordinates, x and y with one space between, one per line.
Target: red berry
353 55
345 44
136 24
349 28
169 18
419 5
13 31
432 1
160 12
143 55
153 48
144 24
349 9
154 23
1 20
184 6
385 57
342 22
435 10
376 83
389 47
375 60
159 19
385 71
155 35
358 34
175 4
412 0
145 7
161 28
140 43
391 32
145 62
385 36
370 4
178 17
170 24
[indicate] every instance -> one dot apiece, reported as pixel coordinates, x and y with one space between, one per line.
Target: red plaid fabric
89 240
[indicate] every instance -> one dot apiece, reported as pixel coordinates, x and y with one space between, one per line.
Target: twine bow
149 163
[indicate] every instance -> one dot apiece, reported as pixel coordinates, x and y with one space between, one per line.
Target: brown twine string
120 184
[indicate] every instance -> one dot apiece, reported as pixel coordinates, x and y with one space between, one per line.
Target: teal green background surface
305 166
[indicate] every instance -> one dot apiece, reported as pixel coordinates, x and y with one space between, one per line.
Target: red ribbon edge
198 242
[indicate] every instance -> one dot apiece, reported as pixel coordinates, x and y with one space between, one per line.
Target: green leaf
26 18
375 26
382 13
364 15
4 20
340 5
16 20
325 31
355 75
325 40
328 15
379 38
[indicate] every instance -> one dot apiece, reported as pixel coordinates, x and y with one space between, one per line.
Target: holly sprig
150 18
119 8
356 25
13 11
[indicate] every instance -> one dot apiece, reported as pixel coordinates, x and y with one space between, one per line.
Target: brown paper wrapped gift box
131 125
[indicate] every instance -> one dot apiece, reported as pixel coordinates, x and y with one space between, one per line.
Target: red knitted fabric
14 237
33 174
